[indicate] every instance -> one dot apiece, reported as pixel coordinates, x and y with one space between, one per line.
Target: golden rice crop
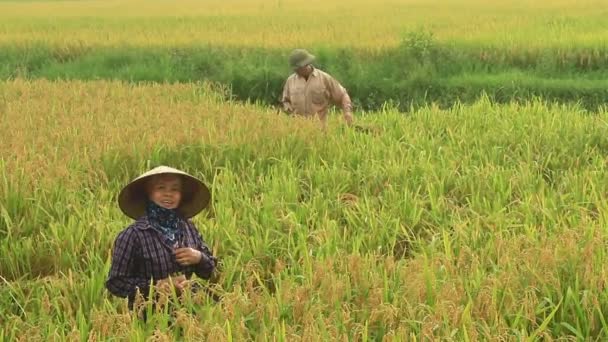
285 24
478 222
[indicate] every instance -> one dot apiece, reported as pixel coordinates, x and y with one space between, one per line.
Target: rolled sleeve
285 99
338 94
204 269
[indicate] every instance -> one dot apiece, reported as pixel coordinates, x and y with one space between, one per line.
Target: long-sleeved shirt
140 258
313 96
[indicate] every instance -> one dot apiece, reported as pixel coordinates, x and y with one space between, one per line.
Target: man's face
304 71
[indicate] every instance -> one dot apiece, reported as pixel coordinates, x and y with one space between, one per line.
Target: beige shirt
313 96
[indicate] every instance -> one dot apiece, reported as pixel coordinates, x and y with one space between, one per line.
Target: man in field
309 91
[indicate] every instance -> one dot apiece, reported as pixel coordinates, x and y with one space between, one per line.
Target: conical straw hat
195 194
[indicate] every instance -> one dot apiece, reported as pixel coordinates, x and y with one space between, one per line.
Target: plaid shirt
140 255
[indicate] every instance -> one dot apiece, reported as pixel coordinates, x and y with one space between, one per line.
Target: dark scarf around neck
165 221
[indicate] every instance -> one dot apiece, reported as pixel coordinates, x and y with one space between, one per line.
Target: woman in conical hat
163 247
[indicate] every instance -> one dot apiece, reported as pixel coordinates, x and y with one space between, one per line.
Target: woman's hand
166 285
188 256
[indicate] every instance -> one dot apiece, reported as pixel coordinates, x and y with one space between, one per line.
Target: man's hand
287 108
188 256
348 116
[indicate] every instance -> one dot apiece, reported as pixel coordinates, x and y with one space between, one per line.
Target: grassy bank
418 72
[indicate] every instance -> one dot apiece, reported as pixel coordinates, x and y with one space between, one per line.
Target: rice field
474 221
478 222
287 24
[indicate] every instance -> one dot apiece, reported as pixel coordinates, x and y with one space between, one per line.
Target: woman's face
165 191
